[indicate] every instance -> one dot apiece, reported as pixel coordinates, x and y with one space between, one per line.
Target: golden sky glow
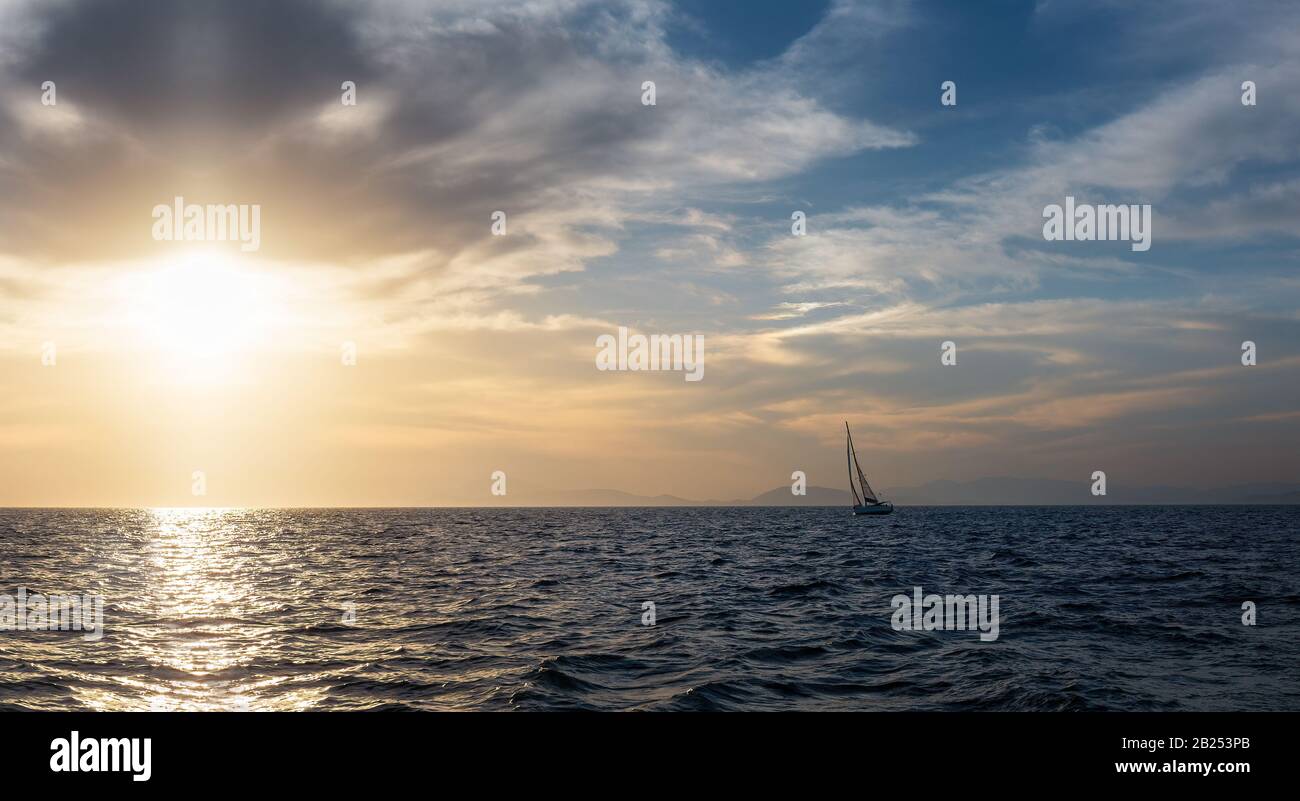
475 353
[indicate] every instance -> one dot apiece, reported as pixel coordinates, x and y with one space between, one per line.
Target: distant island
1000 491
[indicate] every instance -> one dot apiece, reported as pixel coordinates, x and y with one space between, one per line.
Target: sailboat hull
883 508
859 508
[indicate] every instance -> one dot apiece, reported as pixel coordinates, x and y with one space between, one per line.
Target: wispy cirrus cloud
925 226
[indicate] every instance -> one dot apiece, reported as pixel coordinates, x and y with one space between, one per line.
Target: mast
867 493
848 454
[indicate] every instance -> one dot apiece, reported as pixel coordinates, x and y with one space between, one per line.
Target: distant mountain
1008 491
1001 491
1278 498
997 491
817 496
532 496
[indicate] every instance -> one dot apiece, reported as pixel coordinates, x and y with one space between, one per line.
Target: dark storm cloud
167 68
462 110
155 99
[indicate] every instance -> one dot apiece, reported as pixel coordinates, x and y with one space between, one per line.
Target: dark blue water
756 609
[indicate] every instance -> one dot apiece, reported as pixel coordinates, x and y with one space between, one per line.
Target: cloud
1188 147
377 229
463 109
790 311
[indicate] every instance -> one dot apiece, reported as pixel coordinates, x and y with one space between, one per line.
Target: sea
655 609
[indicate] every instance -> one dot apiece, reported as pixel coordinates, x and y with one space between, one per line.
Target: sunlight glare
200 309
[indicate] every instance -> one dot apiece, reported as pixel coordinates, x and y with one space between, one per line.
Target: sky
132 368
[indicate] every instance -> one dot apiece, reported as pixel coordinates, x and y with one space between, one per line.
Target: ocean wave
1136 608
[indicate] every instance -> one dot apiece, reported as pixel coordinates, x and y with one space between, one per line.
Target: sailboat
867 503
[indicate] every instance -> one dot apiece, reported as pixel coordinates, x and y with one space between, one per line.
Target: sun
199 310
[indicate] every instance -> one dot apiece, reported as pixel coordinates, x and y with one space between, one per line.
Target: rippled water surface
762 609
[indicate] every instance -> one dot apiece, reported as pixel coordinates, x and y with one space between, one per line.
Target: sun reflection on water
200 624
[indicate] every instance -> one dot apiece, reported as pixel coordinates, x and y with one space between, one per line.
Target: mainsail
848 454
867 494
